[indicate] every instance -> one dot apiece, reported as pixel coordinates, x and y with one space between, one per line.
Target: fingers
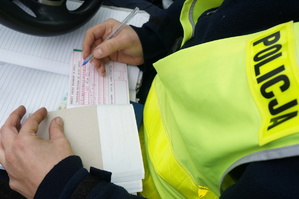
11 126
56 128
111 46
9 130
58 138
13 121
99 65
93 37
124 47
30 126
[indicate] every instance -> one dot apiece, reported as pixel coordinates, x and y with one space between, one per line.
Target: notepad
29 87
106 137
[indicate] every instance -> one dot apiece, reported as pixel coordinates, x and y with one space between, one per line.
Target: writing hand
125 47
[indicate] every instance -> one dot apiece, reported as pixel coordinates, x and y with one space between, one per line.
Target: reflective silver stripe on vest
270 154
191 16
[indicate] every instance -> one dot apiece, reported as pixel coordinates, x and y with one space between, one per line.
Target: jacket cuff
159 35
90 181
152 46
55 181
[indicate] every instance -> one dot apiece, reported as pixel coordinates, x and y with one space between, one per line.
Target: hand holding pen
126 47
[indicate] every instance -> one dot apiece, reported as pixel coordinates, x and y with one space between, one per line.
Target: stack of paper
113 137
105 137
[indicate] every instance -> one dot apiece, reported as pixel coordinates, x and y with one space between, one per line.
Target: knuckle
110 20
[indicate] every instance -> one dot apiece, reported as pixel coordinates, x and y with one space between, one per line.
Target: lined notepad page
29 87
54 53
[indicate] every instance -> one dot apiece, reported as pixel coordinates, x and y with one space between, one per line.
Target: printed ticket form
88 87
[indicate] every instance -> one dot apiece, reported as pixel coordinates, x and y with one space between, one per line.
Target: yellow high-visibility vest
218 105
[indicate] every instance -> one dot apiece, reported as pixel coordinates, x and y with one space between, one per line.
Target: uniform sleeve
161 32
267 179
68 179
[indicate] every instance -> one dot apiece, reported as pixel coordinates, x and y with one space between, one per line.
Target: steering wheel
52 17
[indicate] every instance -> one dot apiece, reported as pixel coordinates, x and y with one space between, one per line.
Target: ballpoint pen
115 32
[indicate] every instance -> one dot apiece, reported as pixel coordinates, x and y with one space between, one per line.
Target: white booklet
105 137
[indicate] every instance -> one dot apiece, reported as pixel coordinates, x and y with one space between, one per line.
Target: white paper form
88 87
54 53
29 87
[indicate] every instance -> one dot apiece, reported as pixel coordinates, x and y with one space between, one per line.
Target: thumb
107 48
56 128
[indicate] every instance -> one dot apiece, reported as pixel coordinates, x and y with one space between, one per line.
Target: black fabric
54 182
274 179
153 7
235 17
84 188
138 110
68 179
7 193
